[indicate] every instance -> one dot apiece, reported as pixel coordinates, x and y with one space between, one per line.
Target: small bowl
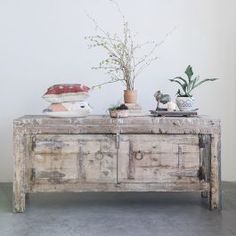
118 113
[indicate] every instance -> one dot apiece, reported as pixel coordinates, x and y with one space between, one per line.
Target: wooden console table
99 153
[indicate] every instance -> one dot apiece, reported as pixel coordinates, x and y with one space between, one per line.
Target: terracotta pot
185 103
130 96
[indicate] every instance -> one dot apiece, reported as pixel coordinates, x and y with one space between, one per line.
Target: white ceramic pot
185 103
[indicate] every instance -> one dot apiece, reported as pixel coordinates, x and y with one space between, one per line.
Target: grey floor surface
125 214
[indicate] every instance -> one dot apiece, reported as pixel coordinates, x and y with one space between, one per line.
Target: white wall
42 43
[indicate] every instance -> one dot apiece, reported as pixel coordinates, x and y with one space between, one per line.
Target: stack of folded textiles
67 100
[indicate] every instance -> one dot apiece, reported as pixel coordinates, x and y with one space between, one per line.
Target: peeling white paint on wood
99 153
157 158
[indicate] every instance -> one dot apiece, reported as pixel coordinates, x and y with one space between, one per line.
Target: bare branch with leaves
122 62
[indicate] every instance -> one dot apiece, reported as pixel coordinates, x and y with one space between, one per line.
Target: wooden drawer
158 158
74 158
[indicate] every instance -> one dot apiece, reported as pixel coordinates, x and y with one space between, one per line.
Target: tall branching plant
122 63
189 84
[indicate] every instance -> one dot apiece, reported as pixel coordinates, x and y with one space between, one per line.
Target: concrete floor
125 214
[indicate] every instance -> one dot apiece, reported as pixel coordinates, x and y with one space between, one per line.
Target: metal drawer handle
139 153
99 155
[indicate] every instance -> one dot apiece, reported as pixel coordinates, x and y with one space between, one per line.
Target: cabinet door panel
83 158
158 158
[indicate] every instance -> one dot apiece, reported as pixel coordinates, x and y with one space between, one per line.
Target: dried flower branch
122 63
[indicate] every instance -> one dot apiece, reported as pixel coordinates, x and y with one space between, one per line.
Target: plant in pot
120 111
185 99
123 62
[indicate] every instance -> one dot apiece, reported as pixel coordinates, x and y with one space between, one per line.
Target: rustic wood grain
19 181
105 124
85 158
99 153
215 198
72 186
157 158
205 160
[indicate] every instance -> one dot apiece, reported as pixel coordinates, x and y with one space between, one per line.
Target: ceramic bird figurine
161 98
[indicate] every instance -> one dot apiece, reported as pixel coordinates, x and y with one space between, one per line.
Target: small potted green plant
185 99
120 111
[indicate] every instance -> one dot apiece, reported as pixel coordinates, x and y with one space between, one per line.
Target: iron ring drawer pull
99 155
141 155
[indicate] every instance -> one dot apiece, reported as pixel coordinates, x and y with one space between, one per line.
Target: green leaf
205 80
195 80
182 79
173 80
178 93
182 85
189 72
190 86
